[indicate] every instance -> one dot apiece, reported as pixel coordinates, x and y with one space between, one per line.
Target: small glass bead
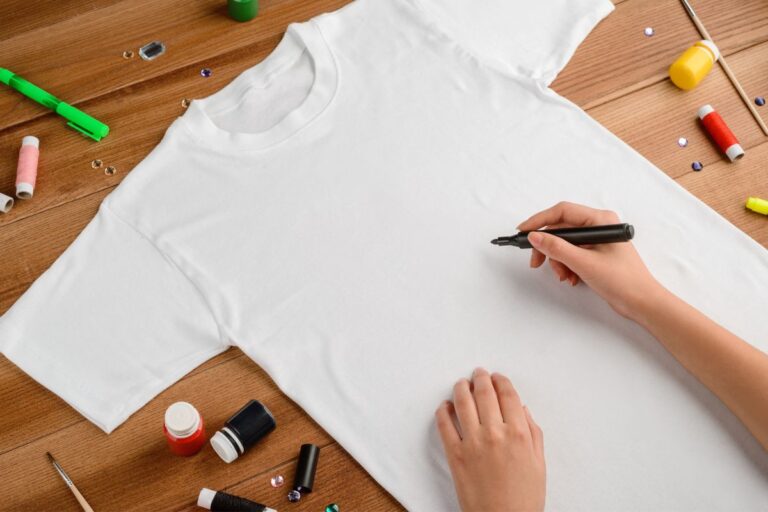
96 163
294 496
128 54
759 101
277 481
206 72
649 31
185 102
682 142
697 166
332 508
109 171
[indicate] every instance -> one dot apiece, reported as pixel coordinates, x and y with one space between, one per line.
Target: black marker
217 501
577 236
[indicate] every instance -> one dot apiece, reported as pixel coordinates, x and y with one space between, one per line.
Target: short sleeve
110 324
533 38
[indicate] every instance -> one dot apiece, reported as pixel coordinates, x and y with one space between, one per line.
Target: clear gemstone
206 72
185 102
649 31
294 496
109 171
127 54
697 166
96 163
277 481
682 142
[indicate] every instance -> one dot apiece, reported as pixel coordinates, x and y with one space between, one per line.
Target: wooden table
75 49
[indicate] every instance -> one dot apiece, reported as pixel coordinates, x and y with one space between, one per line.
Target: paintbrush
703 31
69 483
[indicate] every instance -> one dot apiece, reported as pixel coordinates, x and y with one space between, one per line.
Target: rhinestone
185 102
206 72
127 54
332 508
759 101
697 166
96 163
682 142
277 481
109 171
649 31
294 496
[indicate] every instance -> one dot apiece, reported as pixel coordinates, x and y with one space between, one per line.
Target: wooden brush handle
80 499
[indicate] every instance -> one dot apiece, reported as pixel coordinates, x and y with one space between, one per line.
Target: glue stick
720 133
26 171
694 64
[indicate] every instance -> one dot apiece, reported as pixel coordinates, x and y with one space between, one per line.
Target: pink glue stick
26 172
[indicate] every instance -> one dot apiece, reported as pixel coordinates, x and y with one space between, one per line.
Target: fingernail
478 371
535 238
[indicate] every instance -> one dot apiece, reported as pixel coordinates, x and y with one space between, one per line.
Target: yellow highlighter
758 205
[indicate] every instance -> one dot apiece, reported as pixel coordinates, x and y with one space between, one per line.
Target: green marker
76 118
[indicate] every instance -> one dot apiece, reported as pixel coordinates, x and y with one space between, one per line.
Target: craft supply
110 170
682 142
705 34
294 496
758 205
306 468
648 31
242 10
6 203
759 101
26 170
242 431
184 429
218 501
332 508
206 72
720 133
578 236
80 499
128 54
76 119
694 64
151 51
277 481
697 166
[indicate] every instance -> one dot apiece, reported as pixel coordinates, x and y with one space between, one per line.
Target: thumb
558 249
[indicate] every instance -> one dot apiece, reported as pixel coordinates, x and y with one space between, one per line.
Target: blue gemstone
332 508
759 101
206 72
697 166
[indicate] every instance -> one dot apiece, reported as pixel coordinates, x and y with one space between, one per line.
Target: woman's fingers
485 398
464 403
509 402
537 435
445 426
571 214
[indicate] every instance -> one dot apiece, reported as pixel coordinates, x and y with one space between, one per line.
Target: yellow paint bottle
758 205
694 64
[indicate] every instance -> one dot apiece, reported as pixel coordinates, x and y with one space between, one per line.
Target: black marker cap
305 472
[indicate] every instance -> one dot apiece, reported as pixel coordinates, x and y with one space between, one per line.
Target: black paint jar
242 431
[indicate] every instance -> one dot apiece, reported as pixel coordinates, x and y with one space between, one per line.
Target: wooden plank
19 17
80 58
132 468
339 479
617 58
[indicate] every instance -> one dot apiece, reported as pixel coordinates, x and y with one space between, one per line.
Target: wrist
648 302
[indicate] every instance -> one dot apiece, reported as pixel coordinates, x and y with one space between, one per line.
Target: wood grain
75 51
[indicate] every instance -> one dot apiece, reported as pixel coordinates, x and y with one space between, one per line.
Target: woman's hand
613 271
496 454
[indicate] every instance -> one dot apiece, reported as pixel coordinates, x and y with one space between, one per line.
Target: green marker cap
243 10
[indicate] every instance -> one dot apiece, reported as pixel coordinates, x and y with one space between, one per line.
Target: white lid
6 203
706 109
709 44
735 152
182 419
30 140
24 190
205 498
223 447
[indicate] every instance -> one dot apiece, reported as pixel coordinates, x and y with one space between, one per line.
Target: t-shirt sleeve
535 38
110 324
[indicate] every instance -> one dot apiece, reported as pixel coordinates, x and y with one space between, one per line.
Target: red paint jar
184 429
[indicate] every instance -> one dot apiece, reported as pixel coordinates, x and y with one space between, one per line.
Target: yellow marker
758 205
694 64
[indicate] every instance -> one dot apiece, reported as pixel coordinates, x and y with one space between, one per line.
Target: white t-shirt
330 211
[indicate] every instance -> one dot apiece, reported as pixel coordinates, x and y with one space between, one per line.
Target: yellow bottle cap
758 205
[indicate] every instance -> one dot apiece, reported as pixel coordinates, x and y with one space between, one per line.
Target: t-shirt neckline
299 38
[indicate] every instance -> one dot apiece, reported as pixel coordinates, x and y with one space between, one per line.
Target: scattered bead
759 101
96 163
185 102
277 481
697 166
206 72
294 496
649 31
128 54
332 508
682 142
109 171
